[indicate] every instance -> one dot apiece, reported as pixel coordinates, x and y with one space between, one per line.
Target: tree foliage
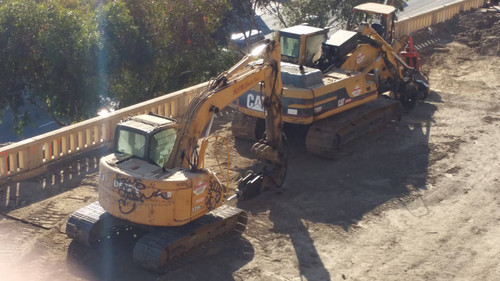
319 13
176 46
46 60
66 56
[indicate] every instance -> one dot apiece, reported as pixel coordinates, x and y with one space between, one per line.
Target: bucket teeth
266 152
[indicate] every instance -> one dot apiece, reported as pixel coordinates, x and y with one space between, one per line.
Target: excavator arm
397 75
221 92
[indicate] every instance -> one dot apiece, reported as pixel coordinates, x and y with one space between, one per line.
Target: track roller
91 224
157 249
327 138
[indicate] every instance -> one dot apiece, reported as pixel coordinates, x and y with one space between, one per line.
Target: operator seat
379 29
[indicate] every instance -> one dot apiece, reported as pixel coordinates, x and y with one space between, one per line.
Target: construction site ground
420 202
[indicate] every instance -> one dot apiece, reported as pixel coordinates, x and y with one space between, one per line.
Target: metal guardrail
407 25
30 157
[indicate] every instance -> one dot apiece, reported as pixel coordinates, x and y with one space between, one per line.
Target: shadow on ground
60 177
378 173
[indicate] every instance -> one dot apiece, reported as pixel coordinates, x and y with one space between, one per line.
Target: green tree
17 41
65 79
177 46
44 60
118 36
64 56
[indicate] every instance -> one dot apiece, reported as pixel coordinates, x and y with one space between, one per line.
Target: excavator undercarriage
159 246
329 137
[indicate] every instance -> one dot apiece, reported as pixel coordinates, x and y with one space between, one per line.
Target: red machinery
412 58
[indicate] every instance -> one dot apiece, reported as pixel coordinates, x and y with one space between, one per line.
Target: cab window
131 143
290 47
313 47
160 146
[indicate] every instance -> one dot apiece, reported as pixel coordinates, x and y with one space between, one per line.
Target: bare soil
419 203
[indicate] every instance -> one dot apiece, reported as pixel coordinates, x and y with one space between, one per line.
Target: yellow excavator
335 85
155 179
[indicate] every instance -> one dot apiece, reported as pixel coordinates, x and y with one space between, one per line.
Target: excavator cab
385 14
301 44
146 137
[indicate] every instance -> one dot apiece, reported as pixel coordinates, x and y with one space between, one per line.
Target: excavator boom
223 91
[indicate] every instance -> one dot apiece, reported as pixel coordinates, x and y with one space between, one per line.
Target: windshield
131 143
160 146
290 48
313 48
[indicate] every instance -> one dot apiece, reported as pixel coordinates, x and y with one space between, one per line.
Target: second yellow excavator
334 86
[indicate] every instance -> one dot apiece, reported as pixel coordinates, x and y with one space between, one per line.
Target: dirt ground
420 203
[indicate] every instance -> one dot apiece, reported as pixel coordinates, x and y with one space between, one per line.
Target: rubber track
164 246
328 137
81 224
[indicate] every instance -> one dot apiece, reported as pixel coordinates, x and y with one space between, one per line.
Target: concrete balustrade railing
410 24
30 157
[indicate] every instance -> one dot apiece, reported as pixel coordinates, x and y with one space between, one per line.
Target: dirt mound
479 30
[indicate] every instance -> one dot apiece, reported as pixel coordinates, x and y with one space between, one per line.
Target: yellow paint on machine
345 107
289 92
138 197
355 83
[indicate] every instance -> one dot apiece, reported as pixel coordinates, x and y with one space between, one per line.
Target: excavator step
327 138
